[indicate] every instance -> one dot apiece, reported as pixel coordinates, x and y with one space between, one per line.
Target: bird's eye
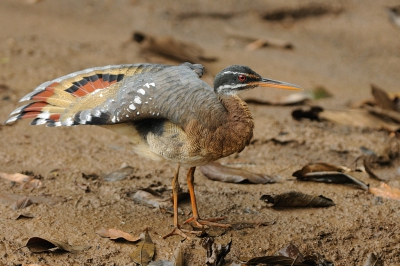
242 78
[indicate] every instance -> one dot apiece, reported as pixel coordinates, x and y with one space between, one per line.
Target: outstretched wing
122 93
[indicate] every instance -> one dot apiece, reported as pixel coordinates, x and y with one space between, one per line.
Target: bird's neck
237 129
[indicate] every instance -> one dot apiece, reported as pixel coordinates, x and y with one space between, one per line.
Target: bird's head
235 79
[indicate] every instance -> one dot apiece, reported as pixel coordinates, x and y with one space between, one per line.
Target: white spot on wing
142 91
137 100
113 119
132 106
138 113
44 115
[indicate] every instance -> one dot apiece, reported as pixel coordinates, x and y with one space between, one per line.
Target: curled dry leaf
17 177
144 253
148 199
21 203
216 171
327 173
38 244
386 191
24 215
296 199
119 174
382 98
215 252
115 234
171 47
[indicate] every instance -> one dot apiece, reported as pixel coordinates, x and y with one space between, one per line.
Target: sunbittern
167 112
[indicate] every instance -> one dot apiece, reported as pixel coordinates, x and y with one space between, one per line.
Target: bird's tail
51 99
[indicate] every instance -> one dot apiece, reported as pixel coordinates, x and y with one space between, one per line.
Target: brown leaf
382 98
296 199
119 174
144 253
215 252
15 198
386 191
369 171
148 199
171 47
115 234
24 215
327 173
17 177
374 260
218 172
21 203
38 244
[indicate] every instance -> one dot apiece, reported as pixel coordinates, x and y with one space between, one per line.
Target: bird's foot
211 222
181 232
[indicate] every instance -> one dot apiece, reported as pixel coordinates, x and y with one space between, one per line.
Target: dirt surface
344 49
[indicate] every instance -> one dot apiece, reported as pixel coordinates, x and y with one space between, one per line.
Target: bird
166 111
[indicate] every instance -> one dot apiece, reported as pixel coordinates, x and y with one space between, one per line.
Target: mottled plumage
167 112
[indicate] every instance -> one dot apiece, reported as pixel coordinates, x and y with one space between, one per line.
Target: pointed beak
277 84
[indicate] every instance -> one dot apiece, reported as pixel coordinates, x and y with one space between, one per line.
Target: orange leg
175 189
195 219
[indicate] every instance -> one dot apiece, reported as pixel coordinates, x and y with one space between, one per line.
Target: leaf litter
115 234
215 252
22 201
327 173
38 244
145 250
218 172
296 199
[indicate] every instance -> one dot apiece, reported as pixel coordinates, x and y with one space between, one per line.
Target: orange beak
277 84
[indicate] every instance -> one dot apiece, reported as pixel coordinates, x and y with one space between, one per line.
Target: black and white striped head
235 79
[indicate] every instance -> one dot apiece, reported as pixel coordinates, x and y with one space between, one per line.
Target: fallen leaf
374 260
327 173
274 260
255 42
301 12
144 253
382 98
24 215
317 259
21 203
120 174
171 47
17 177
148 199
296 199
115 234
291 251
368 169
38 244
386 191
216 171
215 252
311 112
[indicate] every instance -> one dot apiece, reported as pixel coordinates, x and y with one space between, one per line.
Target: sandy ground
344 50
